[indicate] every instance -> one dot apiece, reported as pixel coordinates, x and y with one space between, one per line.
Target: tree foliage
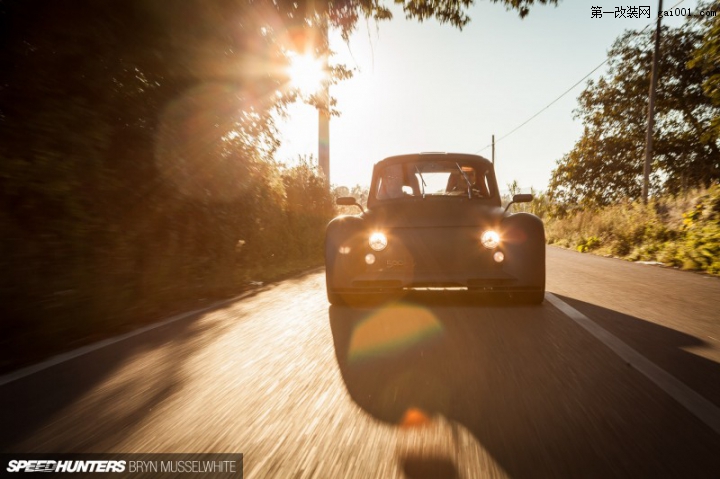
606 163
707 58
136 151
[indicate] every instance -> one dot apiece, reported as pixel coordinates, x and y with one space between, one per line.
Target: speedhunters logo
123 465
65 466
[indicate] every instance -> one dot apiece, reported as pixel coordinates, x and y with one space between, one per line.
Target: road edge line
700 407
83 350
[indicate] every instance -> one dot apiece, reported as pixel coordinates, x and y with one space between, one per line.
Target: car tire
335 299
530 297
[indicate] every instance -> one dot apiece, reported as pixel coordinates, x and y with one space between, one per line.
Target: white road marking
703 409
61 358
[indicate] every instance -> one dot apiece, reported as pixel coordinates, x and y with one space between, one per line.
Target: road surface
420 388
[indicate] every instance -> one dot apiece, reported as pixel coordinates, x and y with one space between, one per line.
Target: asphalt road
427 387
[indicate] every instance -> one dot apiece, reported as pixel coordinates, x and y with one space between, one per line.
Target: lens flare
414 417
306 73
391 330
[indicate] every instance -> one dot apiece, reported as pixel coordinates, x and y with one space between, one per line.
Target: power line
563 93
548 106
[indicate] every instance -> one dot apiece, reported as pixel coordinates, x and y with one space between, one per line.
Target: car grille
443 250
377 284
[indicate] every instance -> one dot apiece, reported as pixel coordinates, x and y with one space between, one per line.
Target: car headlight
378 241
490 239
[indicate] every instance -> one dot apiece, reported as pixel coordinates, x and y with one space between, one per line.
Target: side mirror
523 198
348 201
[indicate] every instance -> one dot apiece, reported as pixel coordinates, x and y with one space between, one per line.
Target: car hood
441 212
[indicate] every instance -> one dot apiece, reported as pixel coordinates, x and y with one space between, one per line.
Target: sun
306 73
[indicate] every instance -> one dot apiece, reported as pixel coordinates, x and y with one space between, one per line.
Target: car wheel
335 299
530 297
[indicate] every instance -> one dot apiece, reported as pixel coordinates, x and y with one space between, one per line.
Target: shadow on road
666 347
53 410
542 396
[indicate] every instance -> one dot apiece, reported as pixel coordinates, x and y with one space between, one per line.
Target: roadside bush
679 231
67 279
286 226
589 244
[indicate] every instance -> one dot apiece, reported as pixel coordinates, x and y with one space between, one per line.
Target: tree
137 142
97 99
607 161
707 58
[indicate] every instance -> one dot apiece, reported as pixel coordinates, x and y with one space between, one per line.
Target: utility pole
651 109
493 150
324 111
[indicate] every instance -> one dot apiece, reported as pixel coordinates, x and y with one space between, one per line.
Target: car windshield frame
445 178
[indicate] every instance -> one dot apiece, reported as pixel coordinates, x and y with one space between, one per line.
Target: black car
435 221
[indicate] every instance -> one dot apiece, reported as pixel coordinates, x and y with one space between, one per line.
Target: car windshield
433 179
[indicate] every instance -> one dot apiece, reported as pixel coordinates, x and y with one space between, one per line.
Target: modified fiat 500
434 221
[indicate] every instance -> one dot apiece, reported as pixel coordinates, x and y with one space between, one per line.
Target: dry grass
681 231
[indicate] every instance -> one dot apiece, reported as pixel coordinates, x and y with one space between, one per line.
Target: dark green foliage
136 156
523 6
701 234
135 152
707 59
594 189
606 164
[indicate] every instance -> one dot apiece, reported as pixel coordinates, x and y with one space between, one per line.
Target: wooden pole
651 109
493 150
324 112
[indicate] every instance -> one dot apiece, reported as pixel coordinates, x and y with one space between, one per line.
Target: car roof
433 156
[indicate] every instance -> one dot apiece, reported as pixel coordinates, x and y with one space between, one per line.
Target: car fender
342 232
523 237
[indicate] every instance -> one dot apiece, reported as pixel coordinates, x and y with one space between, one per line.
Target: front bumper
421 259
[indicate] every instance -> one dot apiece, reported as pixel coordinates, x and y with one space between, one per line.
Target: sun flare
306 73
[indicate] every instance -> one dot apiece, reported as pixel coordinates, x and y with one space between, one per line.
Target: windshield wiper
422 181
466 180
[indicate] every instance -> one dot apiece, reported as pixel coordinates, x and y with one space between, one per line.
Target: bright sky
430 87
